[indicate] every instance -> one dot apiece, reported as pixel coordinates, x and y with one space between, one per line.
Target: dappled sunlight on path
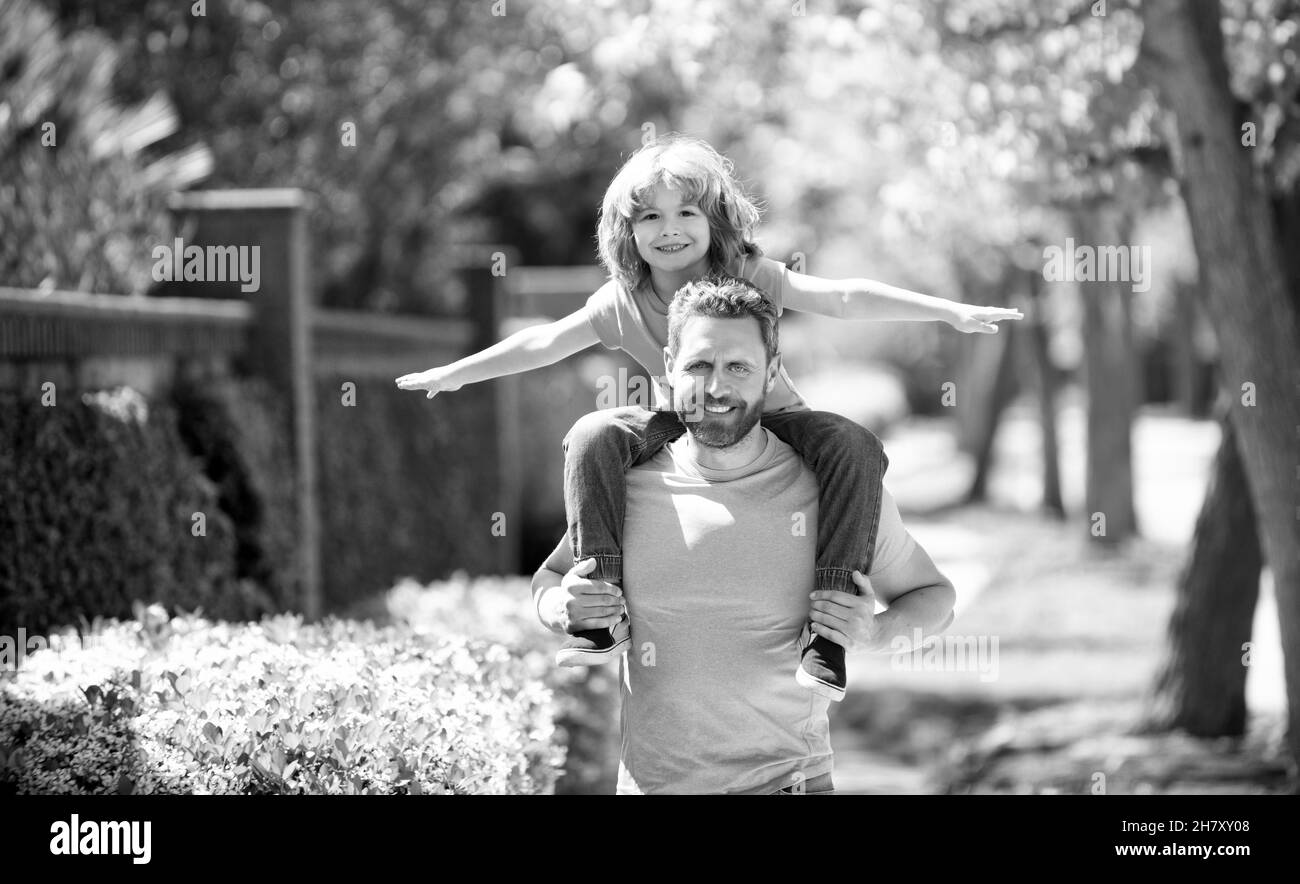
1061 623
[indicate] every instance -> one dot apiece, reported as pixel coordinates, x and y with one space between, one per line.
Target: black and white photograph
874 398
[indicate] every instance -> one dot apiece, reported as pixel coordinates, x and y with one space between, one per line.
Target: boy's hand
435 380
981 320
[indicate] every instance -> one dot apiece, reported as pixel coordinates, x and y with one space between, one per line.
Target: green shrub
97 496
407 486
238 429
183 705
500 609
79 211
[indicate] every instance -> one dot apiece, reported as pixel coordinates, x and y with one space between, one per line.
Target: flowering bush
500 609
182 705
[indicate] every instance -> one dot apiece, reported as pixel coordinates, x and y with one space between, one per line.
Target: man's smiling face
720 378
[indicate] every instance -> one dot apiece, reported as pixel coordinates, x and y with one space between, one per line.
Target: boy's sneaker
821 668
591 647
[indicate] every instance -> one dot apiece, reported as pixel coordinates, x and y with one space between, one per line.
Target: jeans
818 785
848 460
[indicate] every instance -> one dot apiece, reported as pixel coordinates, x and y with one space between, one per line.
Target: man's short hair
722 297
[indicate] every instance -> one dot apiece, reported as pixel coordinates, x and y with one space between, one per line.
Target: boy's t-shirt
637 322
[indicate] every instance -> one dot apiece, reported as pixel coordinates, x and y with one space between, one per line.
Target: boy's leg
849 463
598 451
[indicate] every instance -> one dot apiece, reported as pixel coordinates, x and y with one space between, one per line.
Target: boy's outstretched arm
525 350
868 299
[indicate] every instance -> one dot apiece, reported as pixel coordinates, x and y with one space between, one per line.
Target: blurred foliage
1263 45
500 610
97 498
959 131
78 208
469 126
236 429
403 488
929 146
981 124
182 705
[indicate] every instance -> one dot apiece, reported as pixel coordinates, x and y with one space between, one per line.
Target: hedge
407 486
184 705
500 610
97 497
238 431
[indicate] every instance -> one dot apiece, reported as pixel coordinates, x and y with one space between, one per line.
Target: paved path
1171 461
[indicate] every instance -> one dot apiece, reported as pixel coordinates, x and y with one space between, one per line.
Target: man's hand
580 603
846 619
435 381
981 320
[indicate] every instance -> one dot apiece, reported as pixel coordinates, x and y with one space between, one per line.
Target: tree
1182 54
423 126
80 205
1111 378
991 388
1204 692
1047 386
1086 153
1196 688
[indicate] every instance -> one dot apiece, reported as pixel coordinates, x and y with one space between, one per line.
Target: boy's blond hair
704 177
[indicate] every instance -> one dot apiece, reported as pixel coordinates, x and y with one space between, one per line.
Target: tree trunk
1136 388
1185 365
1201 683
1038 334
1110 369
996 387
1242 269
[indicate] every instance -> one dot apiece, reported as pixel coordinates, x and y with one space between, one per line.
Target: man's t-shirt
717 570
638 323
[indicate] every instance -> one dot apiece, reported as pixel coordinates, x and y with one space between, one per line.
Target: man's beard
721 431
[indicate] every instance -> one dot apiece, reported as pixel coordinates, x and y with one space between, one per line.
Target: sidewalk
1071 640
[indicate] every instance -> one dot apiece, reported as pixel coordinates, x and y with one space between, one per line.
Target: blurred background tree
80 205
469 127
1230 82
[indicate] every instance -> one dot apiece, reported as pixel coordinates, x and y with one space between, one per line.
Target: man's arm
548 577
904 578
916 596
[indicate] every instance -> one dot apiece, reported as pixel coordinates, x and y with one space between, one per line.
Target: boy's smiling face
672 236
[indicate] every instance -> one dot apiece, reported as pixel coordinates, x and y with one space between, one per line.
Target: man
718 561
